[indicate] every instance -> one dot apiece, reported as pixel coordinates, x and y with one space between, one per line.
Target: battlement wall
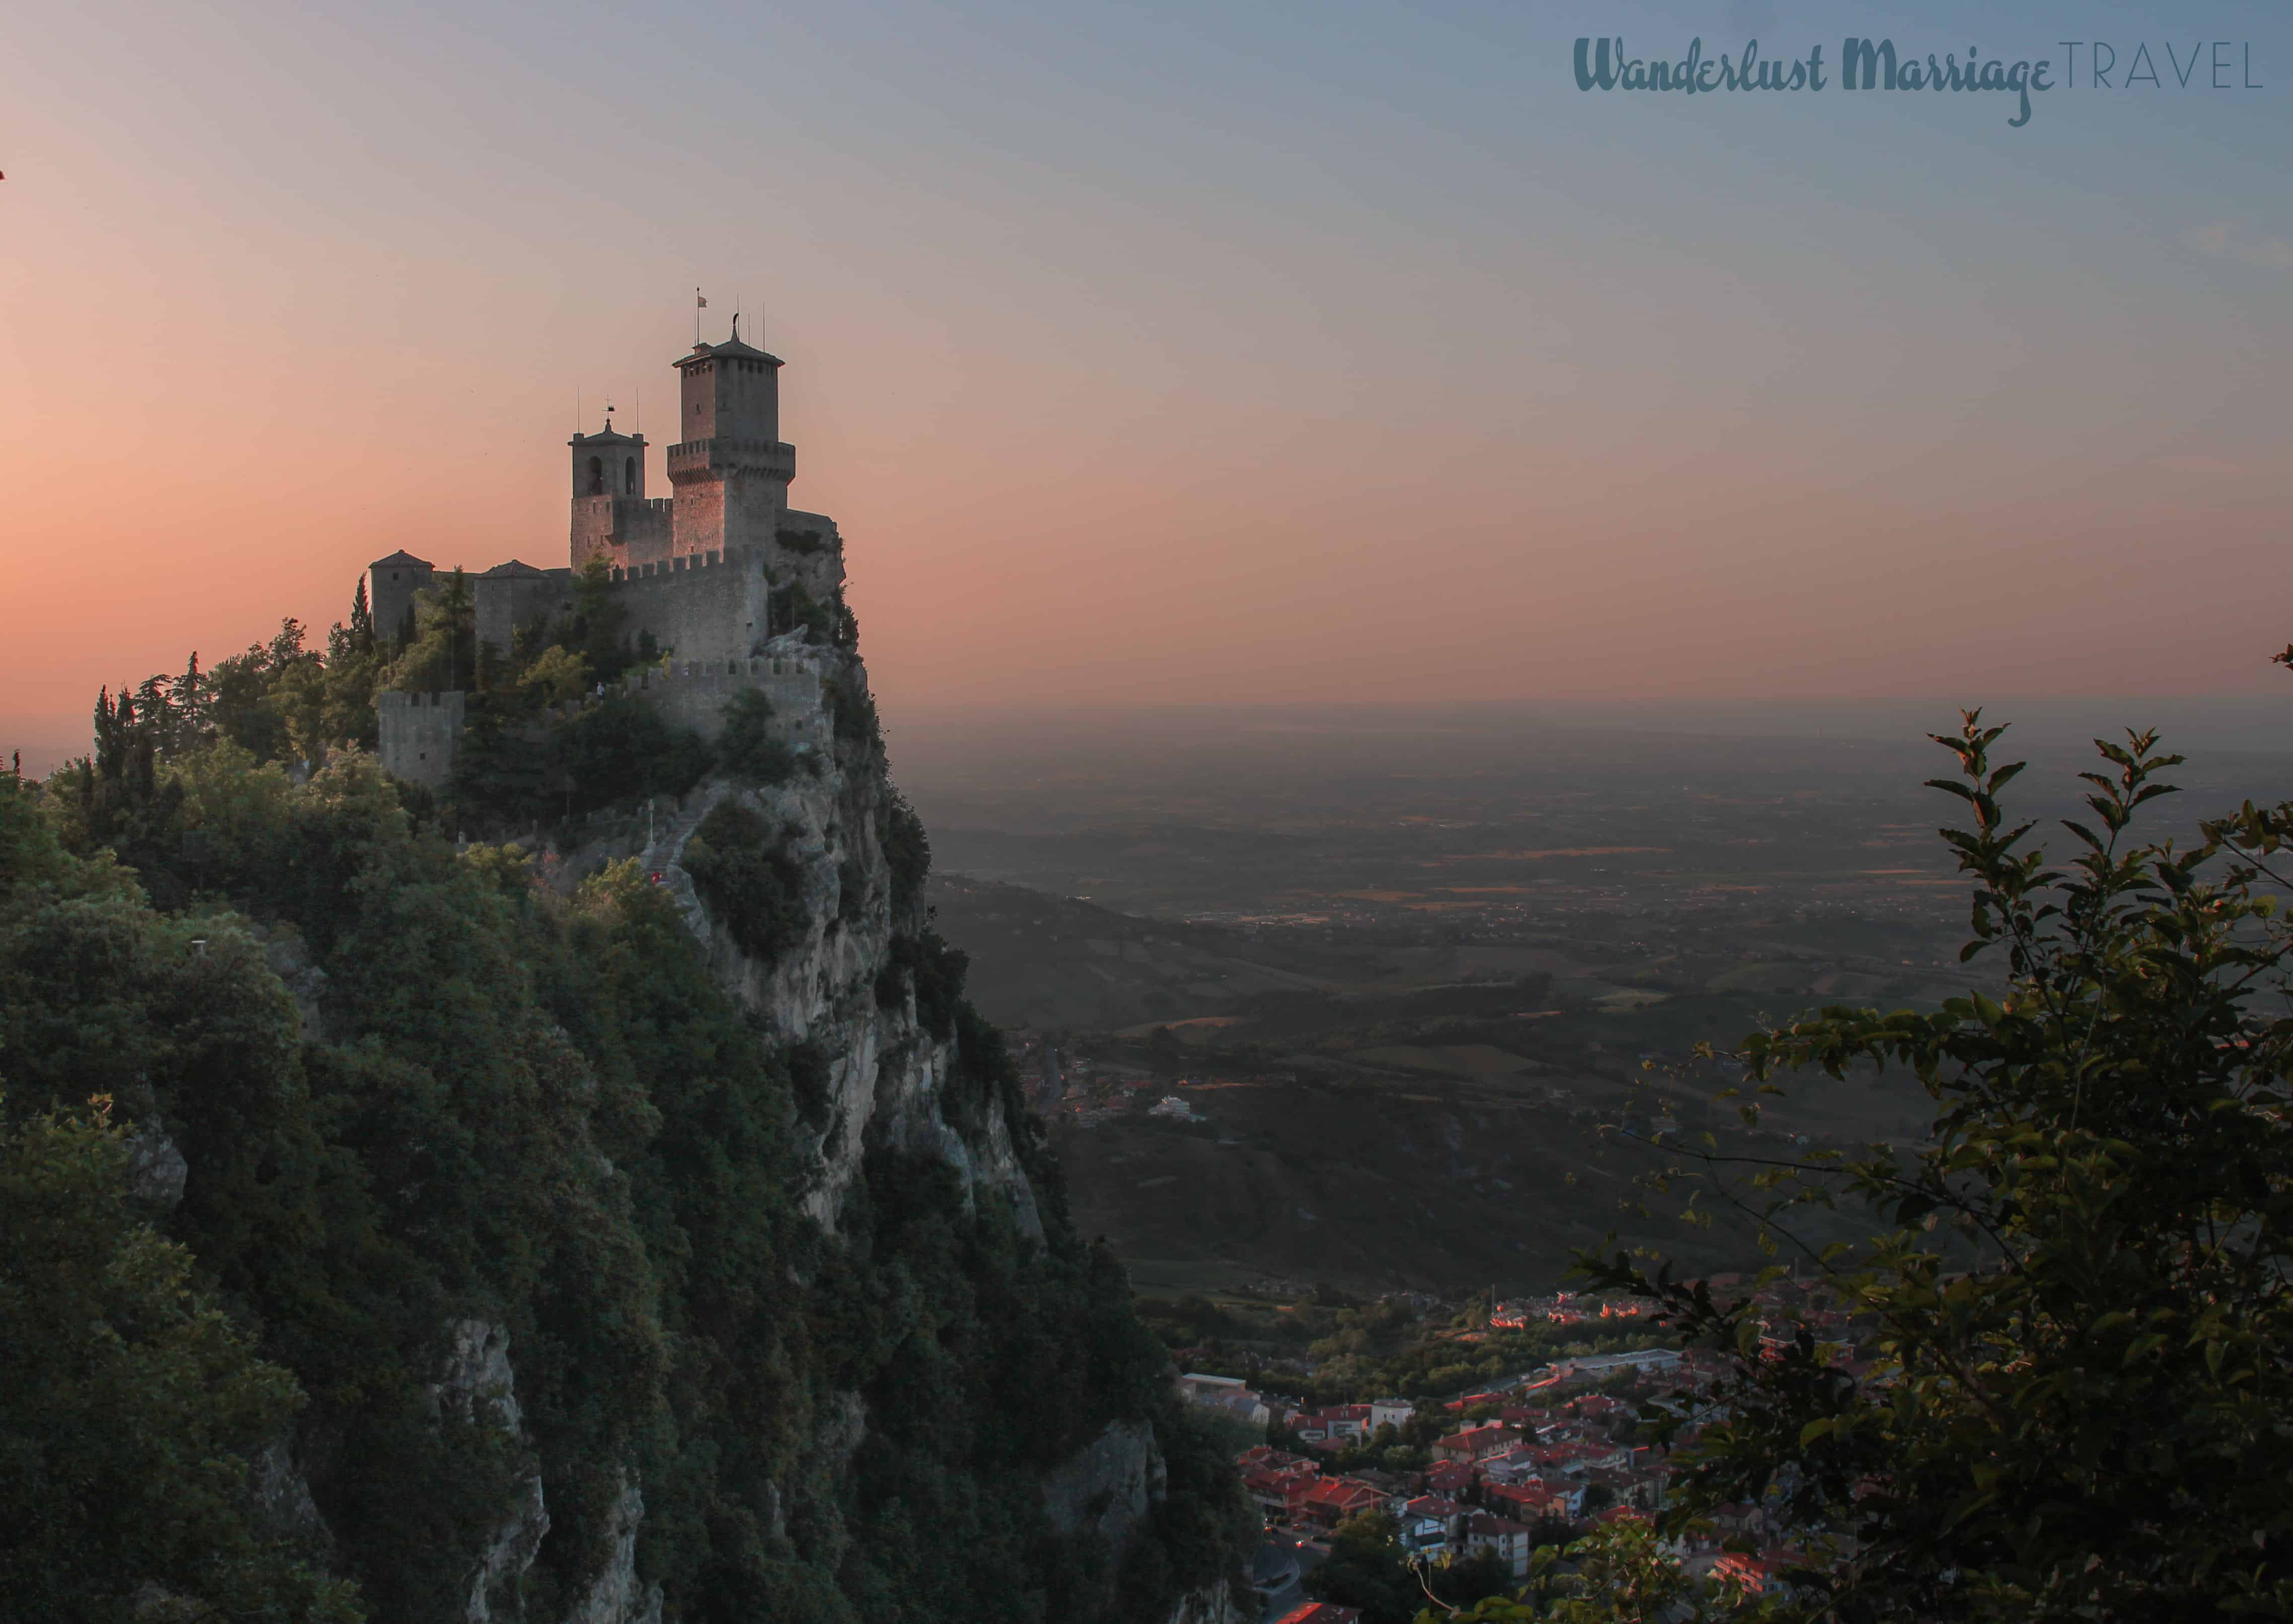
694 693
418 734
507 603
684 564
705 606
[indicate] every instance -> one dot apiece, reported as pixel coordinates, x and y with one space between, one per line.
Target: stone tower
391 584
611 514
729 466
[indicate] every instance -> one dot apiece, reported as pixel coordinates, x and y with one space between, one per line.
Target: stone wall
698 606
512 596
419 731
390 590
419 734
624 528
694 693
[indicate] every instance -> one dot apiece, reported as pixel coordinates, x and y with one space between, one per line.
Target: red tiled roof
1342 1493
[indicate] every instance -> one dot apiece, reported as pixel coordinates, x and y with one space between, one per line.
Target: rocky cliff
654 1231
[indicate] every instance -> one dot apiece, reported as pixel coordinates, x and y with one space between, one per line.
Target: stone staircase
661 858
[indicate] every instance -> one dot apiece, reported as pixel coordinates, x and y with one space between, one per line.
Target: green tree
595 629
1471 1577
361 627
1618 1575
1165 1053
747 749
2081 1402
439 652
129 1409
1366 1570
741 867
907 853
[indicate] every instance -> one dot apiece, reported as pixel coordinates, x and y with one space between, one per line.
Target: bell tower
610 512
730 467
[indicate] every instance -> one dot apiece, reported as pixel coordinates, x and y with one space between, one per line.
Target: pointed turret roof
732 347
401 560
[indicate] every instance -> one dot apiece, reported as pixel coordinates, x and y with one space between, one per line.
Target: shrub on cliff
740 866
907 853
852 710
925 964
747 751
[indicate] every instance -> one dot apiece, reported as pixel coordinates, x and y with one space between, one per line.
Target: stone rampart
694 693
510 597
418 734
420 731
705 606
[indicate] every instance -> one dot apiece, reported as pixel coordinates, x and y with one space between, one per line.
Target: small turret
607 464
391 584
611 515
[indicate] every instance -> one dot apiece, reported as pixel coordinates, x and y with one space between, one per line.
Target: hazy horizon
2215 724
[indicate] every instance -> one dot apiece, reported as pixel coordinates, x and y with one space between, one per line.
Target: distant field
1436 972
1376 1190
1463 1059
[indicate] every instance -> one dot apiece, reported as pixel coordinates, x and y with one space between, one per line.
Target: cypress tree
361 621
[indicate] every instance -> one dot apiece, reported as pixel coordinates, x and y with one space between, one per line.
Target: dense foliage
747 753
2081 1402
740 866
415 1088
130 1407
547 738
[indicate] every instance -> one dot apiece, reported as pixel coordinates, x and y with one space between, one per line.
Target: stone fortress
698 572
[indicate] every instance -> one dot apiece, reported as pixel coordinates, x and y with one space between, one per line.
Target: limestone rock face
616 1595
157 1172
289 958
1110 1484
515 1544
1217 1605
835 986
887 1069
887 1073
283 1504
478 1385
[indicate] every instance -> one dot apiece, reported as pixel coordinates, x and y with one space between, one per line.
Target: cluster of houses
1295 1492
1561 1308
1487 1487
1554 1452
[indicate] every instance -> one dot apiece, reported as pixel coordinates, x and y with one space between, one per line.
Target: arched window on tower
629 476
597 476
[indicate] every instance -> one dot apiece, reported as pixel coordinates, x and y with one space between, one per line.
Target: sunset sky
1175 353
